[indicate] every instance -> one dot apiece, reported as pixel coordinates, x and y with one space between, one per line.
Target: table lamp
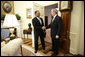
11 22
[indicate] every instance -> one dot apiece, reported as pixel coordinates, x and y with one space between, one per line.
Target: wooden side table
28 31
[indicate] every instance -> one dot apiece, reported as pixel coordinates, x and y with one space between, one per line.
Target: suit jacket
38 27
56 27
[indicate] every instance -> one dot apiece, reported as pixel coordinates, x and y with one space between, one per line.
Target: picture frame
7 7
29 13
65 5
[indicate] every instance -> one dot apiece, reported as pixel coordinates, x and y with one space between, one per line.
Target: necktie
53 19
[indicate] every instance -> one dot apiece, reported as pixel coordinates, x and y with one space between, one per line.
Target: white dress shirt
54 17
39 20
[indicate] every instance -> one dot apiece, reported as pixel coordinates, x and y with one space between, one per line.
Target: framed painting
29 13
65 5
7 7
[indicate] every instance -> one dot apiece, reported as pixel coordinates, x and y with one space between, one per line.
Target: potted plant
18 17
2 17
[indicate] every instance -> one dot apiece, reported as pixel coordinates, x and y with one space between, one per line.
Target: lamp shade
10 21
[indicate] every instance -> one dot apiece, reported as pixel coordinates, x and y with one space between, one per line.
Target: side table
27 31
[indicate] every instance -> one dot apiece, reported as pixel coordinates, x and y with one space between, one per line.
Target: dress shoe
43 48
51 50
35 51
53 54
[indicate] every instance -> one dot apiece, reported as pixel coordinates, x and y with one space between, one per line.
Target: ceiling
46 3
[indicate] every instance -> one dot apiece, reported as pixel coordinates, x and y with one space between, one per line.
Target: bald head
54 12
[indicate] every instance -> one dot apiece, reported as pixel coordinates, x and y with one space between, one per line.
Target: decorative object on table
11 22
7 7
12 36
29 13
30 26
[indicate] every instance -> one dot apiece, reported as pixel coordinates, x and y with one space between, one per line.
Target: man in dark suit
56 26
38 30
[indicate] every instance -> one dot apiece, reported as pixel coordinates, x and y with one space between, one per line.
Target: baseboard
73 51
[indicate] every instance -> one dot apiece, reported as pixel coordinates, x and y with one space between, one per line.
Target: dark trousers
42 41
55 45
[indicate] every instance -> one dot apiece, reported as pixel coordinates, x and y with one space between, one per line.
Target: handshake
43 27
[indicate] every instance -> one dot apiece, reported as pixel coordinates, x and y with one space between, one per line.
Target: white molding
73 51
74 37
73 33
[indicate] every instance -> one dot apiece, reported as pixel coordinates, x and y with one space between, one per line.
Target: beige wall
20 8
77 28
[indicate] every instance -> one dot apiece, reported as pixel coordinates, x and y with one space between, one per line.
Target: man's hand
43 27
57 37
